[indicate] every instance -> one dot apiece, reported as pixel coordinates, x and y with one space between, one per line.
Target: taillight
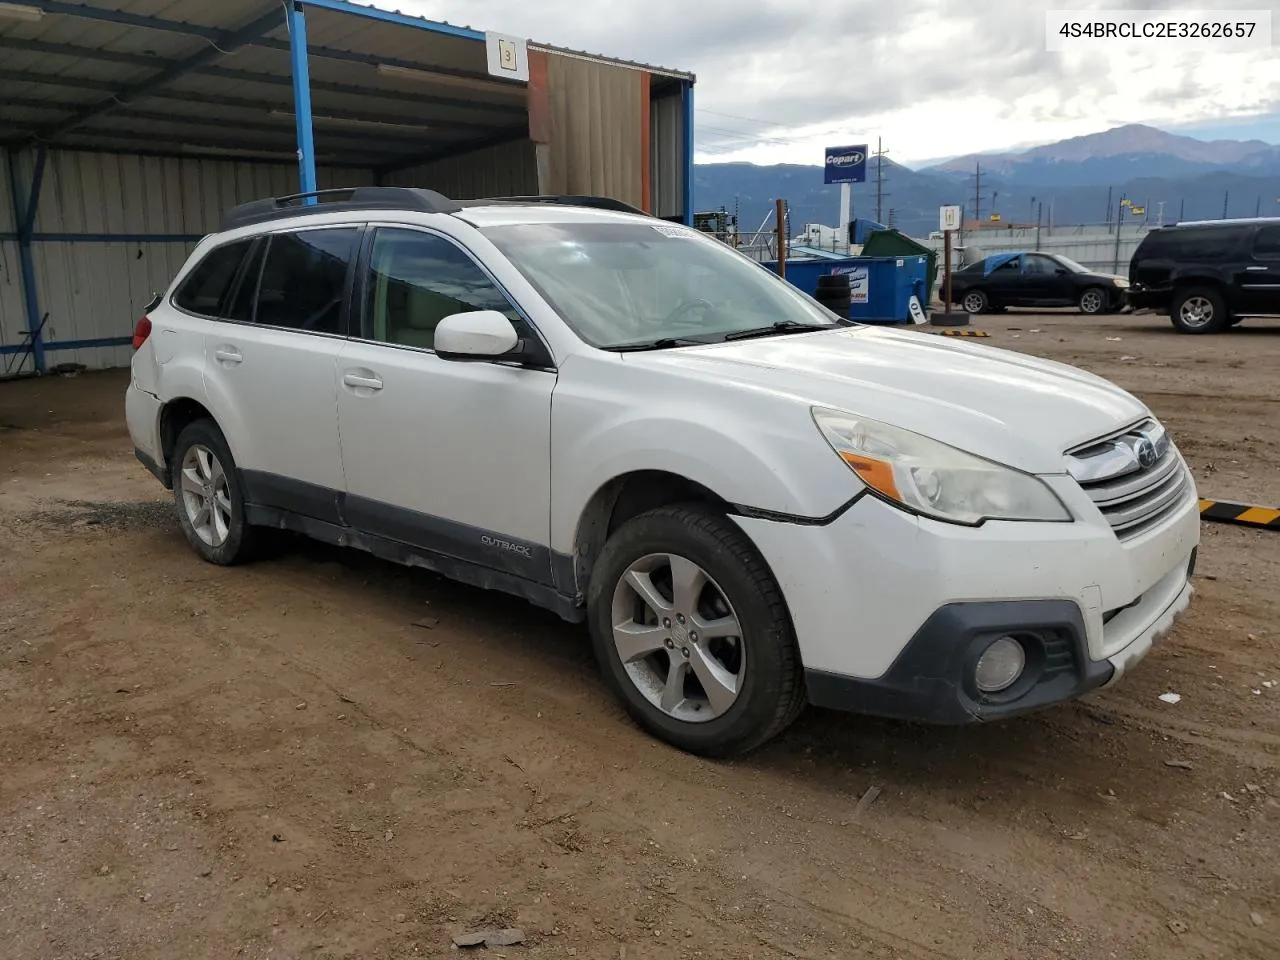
141 332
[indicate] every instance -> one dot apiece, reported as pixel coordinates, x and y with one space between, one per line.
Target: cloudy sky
779 79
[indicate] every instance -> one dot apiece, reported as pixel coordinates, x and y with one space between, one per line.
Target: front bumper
1139 299
891 610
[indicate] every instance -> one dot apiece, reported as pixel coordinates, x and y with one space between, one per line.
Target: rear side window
304 279
1193 246
1266 245
207 286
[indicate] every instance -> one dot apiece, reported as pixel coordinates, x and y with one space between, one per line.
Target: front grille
1135 478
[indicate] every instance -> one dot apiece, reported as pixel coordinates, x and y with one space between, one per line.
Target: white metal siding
505 170
13 317
666 155
97 289
110 193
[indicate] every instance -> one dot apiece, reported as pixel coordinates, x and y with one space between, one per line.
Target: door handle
366 383
228 355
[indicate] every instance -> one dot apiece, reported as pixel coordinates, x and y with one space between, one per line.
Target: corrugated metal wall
595 129
666 154
12 314
505 170
94 287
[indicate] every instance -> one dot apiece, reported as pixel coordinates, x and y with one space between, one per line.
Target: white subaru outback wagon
752 502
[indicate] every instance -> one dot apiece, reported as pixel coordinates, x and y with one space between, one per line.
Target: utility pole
1039 217
1226 196
1182 209
1257 210
880 194
977 192
1115 267
1109 189
1160 215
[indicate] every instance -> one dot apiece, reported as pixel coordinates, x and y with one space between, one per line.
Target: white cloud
779 79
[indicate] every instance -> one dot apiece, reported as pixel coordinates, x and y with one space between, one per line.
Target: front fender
775 461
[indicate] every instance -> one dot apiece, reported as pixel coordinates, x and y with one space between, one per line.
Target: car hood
1007 407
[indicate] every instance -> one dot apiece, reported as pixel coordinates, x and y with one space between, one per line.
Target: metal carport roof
194 78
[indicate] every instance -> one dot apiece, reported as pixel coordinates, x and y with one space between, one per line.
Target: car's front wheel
692 633
975 301
207 494
1092 301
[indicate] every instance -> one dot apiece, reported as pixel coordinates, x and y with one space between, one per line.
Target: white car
753 503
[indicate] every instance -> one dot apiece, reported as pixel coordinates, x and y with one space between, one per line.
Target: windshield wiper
665 343
782 326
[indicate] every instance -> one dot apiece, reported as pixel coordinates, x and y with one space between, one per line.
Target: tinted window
1009 266
1266 245
1189 245
416 279
304 278
209 282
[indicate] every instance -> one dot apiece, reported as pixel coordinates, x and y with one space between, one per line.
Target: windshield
637 285
1069 263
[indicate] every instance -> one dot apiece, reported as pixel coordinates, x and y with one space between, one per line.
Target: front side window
627 284
1040 266
304 279
208 285
417 279
1009 267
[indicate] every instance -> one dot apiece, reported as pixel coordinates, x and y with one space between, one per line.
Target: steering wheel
679 312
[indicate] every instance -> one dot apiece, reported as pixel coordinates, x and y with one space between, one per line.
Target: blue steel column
302 98
686 98
25 216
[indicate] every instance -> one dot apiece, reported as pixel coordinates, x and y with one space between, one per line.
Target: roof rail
599 203
1225 222
357 198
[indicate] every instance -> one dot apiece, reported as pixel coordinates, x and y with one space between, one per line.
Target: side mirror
475 335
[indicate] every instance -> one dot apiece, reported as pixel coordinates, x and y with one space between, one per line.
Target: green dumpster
891 243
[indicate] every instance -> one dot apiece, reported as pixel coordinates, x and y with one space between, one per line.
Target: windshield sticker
673 231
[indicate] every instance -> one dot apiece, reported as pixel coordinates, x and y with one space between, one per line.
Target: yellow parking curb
1241 514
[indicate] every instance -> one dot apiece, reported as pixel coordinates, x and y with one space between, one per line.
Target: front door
447 456
1043 284
1005 283
271 369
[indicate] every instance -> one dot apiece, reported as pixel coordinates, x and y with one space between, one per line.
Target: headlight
928 477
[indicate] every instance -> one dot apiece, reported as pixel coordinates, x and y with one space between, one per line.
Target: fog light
1000 665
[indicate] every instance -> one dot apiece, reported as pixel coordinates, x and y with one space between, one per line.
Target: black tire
771 690
241 539
1198 310
833 281
975 302
1092 301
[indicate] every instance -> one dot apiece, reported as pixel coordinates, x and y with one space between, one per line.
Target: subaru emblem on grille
1147 455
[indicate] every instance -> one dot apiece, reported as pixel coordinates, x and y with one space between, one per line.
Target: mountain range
1071 180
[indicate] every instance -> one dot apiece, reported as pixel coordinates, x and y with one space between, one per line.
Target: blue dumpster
882 287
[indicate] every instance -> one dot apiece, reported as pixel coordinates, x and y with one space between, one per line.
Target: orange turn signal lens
877 474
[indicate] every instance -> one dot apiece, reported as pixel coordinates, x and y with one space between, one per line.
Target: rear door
1006 285
1257 279
271 368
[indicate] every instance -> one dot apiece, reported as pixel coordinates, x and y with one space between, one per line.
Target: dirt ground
275 761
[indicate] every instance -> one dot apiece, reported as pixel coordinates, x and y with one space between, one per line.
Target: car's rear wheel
692 633
1093 300
1199 310
975 301
207 495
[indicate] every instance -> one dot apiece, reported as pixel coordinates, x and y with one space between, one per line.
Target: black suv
1208 275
